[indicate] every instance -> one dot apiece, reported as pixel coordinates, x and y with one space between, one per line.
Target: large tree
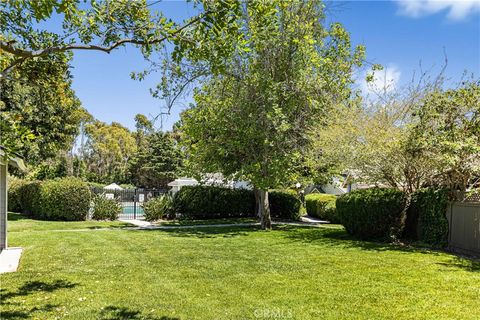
38 38
156 163
252 120
107 152
37 103
105 26
421 135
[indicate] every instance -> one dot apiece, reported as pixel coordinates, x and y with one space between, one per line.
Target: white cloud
456 9
385 80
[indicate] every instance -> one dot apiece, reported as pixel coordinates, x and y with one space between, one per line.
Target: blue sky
397 34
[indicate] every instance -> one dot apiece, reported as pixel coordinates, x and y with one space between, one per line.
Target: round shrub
105 209
322 206
284 204
371 213
158 208
66 199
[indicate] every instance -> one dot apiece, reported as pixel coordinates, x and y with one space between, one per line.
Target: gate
132 200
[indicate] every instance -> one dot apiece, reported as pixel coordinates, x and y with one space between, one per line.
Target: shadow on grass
207 232
123 313
13 216
27 314
111 226
26 289
333 237
34 287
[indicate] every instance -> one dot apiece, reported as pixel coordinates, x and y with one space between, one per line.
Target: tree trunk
398 232
264 210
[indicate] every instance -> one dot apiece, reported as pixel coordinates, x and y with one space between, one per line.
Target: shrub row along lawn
231 273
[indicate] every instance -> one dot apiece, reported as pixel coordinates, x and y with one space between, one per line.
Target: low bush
23 196
209 202
371 213
15 195
104 208
60 199
284 204
322 206
159 208
426 218
66 199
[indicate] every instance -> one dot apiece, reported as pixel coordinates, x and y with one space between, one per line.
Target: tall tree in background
157 163
108 150
144 127
253 119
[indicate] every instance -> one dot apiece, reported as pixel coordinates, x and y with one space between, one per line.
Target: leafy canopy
253 120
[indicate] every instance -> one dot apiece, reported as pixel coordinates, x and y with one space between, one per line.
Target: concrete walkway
9 259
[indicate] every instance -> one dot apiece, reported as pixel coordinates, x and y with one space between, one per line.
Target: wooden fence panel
464 227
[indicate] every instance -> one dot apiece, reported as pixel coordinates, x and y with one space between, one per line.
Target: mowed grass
19 223
232 273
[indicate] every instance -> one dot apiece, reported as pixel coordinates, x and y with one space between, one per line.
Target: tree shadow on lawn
331 237
207 232
26 289
13 216
123 313
111 226
25 314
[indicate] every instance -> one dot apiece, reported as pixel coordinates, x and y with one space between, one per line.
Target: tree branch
24 54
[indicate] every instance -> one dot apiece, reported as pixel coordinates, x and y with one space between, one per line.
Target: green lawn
229 273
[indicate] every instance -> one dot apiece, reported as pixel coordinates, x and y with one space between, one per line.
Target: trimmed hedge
284 204
105 209
371 213
66 199
23 196
322 206
158 208
426 218
14 194
210 202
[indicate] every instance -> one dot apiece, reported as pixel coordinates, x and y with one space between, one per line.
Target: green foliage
285 204
39 112
159 208
254 119
105 209
15 200
372 213
446 129
208 202
66 199
156 163
322 206
426 219
108 149
24 196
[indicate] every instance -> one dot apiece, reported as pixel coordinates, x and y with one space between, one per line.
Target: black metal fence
132 200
